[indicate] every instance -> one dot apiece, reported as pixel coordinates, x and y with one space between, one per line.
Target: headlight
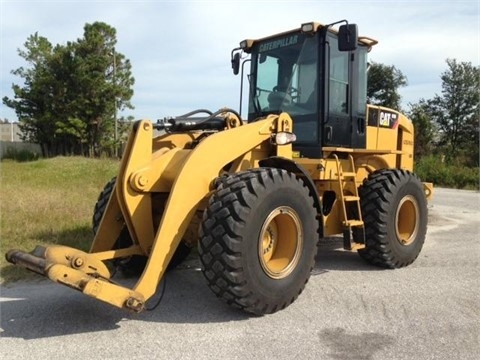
308 27
283 138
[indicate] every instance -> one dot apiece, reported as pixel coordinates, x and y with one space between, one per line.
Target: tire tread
376 194
220 242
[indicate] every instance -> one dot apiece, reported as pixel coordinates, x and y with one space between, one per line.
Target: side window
362 79
338 81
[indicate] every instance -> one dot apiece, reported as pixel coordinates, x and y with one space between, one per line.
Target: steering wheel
279 99
292 92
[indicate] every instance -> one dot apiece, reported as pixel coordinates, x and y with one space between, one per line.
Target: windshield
283 76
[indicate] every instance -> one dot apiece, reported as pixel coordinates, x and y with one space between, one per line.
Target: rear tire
258 240
394 209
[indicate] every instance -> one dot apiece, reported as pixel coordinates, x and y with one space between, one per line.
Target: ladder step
347 239
351 198
348 174
353 223
360 236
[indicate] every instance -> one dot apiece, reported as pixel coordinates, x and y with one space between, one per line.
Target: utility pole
115 136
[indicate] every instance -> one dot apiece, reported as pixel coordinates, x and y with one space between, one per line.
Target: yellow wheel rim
407 220
280 242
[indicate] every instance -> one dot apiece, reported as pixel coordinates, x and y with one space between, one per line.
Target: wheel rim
407 220
280 242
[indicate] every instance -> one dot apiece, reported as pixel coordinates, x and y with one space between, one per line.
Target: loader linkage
167 164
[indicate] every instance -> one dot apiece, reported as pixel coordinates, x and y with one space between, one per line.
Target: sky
180 50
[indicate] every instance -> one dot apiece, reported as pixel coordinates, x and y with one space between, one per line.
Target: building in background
12 146
9 131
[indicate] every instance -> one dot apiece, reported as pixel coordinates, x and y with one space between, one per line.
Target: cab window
338 80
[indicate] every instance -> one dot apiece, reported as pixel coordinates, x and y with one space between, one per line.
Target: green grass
48 201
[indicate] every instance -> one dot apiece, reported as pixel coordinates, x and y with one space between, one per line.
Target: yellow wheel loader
311 160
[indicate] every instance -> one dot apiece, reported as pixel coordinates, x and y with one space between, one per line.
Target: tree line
71 93
446 125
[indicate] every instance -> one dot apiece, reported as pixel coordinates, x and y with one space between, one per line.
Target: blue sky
180 50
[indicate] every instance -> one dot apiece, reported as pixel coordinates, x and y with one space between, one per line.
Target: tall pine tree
71 92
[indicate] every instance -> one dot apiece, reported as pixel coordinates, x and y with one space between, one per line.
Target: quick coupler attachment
33 261
78 270
42 259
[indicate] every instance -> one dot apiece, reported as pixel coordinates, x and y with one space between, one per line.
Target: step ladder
343 178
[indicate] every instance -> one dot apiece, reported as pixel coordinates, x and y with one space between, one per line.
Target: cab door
344 124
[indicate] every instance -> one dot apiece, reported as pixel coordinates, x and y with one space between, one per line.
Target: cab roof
310 27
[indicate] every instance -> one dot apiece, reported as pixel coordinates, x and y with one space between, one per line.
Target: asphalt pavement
348 310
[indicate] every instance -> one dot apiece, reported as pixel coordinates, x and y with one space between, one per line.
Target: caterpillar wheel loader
312 159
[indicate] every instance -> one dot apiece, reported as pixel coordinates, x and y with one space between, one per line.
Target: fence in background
11 147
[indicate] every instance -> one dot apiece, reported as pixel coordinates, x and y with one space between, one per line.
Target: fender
297 169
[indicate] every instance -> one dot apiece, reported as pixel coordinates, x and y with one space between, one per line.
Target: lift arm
188 173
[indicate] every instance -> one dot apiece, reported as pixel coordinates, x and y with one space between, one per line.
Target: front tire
258 240
394 209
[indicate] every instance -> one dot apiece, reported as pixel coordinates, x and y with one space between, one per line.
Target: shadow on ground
332 257
32 310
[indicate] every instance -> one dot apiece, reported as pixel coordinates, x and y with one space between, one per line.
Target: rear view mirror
347 37
236 63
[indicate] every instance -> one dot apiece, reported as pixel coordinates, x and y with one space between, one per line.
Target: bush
20 155
434 169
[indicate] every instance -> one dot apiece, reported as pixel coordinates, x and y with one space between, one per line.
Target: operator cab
318 76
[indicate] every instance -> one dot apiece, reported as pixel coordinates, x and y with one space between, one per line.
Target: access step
353 223
348 174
